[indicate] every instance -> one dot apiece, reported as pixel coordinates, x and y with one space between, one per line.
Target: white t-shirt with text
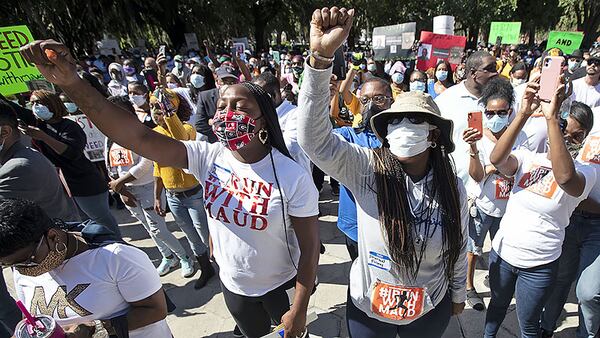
251 243
493 191
538 211
97 284
590 154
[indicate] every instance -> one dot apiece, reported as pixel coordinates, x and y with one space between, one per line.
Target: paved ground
203 313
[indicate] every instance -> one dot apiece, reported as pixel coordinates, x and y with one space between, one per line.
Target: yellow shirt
504 72
353 107
174 178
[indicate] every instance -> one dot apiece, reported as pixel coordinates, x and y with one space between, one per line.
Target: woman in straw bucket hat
410 276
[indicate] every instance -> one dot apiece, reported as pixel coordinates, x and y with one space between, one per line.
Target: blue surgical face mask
42 112
441 75
71 107
496 123
398 78
417 85
197 80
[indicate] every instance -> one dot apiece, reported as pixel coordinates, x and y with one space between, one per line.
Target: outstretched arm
58 66
500 157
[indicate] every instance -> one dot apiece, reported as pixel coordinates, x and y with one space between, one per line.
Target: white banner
94 149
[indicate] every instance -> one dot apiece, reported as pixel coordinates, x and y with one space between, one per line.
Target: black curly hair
22 224
498 88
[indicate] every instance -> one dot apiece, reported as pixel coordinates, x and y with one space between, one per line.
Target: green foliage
80 23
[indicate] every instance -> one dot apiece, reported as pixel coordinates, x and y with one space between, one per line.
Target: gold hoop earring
58 250
263 136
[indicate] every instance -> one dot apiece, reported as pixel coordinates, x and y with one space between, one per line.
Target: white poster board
192 41
109 47
94 149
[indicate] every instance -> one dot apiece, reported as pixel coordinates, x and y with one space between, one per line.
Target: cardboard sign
394 42
15 72
436 47
94 149
191 40
509 31
568 42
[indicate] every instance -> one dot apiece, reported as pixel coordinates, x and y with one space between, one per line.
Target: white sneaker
187 267
166 265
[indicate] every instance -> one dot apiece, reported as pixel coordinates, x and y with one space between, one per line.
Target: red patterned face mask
233 129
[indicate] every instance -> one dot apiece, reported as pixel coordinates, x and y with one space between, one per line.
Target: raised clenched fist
329 28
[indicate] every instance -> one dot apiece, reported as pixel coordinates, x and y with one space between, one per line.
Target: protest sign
191 40
394 42
15 72
568 42
509 31
242 41
436 47
94 149
443 24
109 47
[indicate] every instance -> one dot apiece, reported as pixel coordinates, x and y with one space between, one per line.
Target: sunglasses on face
491 113
414 119
377 99
488 69
594 62
29 262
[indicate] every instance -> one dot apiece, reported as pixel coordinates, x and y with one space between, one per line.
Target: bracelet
474 154
321 58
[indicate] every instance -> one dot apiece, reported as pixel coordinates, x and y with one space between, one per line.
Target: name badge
379 261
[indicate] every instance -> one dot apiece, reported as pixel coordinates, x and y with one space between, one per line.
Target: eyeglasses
414 119
491 113
377 99
28 263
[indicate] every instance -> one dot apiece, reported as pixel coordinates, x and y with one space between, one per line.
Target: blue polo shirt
347 207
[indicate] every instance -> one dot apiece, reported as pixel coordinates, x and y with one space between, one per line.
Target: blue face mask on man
417 86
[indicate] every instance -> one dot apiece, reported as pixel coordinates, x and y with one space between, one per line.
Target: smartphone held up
550 77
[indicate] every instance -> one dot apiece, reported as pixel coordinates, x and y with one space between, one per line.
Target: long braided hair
267 107
399 221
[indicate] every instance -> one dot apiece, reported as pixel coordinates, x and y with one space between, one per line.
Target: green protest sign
14 70
568 42
509 31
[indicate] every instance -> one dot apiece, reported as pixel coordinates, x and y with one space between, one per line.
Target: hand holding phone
162 49
475 121
550 77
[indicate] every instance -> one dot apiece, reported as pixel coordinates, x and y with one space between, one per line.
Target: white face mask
517 82
137 100
407 139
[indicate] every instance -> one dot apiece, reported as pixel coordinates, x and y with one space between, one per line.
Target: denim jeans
588 293
431 325
9 313
190 216
580 249
155 225
478 229
97 209
532 286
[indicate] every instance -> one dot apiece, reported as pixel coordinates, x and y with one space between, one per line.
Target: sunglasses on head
491 113
412 118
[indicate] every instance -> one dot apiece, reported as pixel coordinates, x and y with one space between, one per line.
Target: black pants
352 247
319 177
9 313
253 315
